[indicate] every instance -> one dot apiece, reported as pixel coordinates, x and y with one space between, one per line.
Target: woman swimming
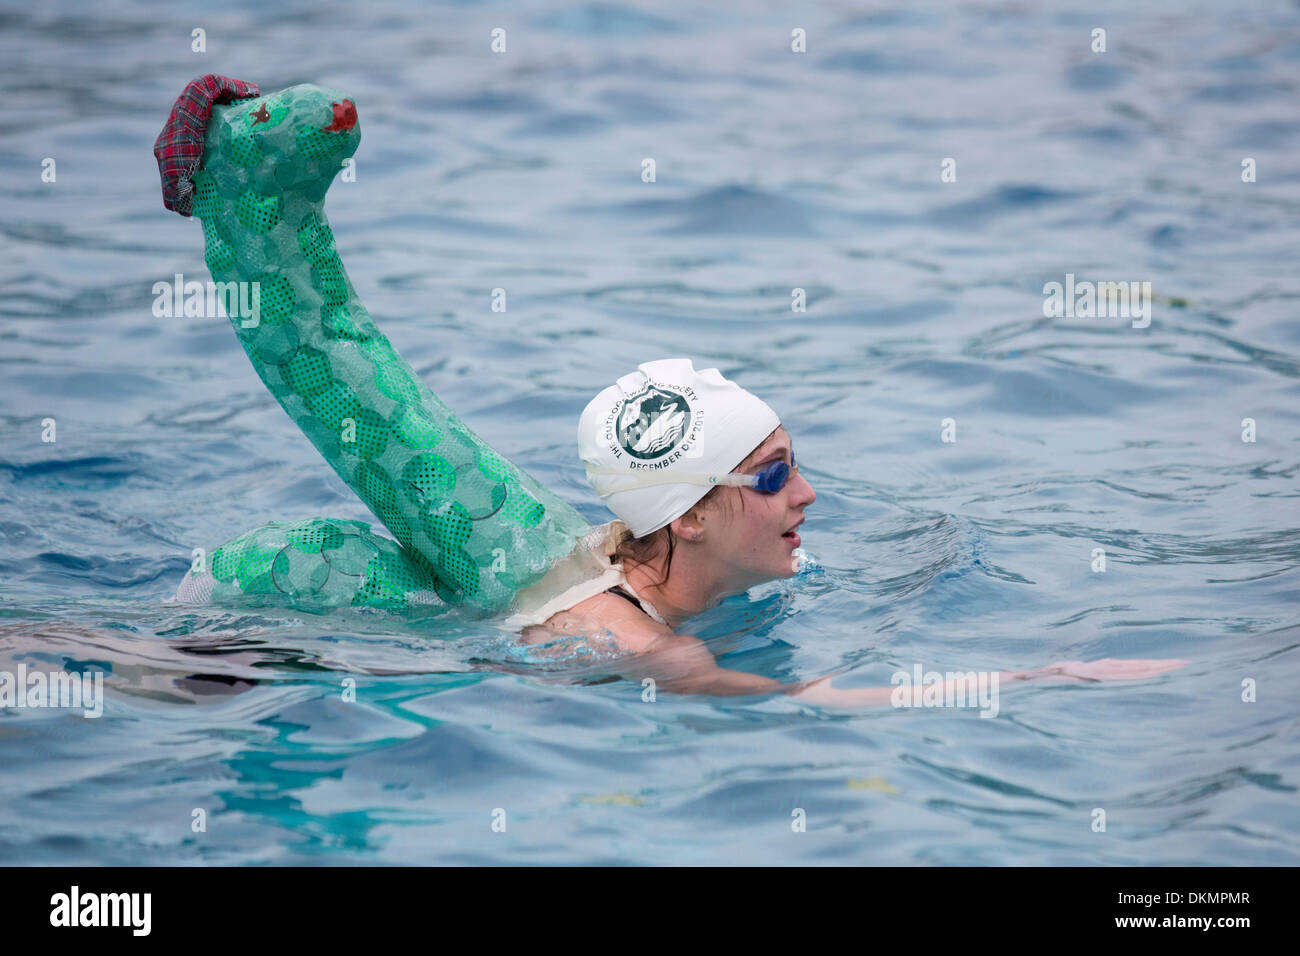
709 496
699 471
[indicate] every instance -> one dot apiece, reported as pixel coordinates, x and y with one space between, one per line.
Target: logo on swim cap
652 422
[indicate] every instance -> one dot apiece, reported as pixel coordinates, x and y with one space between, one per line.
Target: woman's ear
690 526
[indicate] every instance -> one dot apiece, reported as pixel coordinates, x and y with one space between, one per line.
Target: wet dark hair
646 548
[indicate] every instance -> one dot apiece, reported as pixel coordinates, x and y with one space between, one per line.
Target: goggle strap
632 480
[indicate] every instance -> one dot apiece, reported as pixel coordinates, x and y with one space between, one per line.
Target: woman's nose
803 491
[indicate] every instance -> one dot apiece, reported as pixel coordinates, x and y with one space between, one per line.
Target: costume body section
474 530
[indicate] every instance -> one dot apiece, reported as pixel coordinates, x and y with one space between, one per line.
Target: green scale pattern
321 563
473 528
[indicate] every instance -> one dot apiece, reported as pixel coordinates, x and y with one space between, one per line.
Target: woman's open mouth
792 536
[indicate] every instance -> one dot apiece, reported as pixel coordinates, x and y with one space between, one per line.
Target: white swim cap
666 421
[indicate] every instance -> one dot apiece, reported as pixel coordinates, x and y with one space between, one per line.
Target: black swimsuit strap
616 589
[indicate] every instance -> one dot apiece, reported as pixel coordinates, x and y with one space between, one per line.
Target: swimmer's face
746 542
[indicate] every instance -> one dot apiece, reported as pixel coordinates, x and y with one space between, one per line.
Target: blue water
775 171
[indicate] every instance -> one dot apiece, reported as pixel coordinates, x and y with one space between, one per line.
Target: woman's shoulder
630 626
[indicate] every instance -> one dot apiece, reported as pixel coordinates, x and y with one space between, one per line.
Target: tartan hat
179 147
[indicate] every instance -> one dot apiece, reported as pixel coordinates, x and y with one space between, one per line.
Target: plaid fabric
179 147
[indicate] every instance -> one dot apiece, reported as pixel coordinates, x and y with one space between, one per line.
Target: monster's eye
266 114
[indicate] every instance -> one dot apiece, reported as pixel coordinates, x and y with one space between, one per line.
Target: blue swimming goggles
768 480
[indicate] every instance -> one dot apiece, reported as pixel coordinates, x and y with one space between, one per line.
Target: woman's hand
821 693
1108 668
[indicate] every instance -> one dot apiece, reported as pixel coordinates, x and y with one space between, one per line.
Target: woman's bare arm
821 692
681 663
